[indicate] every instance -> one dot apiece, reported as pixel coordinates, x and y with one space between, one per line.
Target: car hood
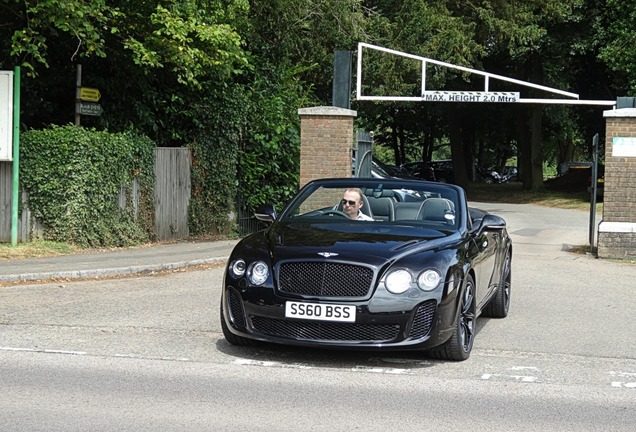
370 243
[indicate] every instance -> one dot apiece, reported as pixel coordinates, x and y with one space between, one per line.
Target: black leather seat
383 208
437 210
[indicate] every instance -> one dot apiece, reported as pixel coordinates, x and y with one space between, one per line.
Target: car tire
231 337
460 344
500 304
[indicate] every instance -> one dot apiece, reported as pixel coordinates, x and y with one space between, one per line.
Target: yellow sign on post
89 94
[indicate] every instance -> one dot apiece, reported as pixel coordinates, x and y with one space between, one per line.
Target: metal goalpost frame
574 98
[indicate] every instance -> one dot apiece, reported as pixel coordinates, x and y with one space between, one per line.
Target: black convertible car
369 264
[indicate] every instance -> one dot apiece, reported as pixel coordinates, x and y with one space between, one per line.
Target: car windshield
412 203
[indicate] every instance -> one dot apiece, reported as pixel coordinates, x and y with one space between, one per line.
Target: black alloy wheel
460 344
467 318
500 303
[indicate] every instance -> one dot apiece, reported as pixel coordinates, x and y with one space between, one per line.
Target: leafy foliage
74 177
618 42
226 78
220 119
188 38
270 151
79 23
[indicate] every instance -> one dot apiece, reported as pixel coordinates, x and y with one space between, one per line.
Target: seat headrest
437 209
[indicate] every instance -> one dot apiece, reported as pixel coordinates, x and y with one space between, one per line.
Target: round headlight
428 280
237 269
398 281
258 273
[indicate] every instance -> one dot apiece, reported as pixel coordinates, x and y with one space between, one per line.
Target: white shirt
363 217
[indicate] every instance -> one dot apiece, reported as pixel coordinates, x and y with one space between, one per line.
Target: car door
485 246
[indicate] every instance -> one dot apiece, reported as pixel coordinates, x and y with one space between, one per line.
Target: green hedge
73 177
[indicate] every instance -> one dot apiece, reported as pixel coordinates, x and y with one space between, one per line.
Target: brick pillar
617 230
326 140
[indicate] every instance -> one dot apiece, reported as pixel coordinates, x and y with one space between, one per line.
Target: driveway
562 301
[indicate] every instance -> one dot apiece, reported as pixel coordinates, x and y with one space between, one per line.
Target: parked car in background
510 174
382 170
488 175
444 172
392 170
424 171
414 277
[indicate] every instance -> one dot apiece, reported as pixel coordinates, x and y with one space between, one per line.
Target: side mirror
491 222
266 213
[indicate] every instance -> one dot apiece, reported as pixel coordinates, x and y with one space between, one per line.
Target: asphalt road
147 354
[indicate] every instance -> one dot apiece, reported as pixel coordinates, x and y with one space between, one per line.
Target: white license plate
321 312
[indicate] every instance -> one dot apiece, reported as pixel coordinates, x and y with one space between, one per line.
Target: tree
616 41
518 39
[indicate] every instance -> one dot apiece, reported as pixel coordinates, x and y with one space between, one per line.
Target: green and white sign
624 146
6 115
90 109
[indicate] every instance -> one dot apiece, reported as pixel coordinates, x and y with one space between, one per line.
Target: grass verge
513 193
36 249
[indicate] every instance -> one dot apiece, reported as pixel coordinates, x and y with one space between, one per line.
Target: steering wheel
334 213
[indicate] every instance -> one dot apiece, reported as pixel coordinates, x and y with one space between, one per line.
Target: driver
352 203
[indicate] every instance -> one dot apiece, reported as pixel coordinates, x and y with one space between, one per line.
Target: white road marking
622 384
249 362
623 374
17 349
137 356
524 368
390 371
619 384
48 351
524 378
518 378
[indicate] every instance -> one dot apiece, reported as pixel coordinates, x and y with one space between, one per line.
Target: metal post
364 154
78 86
341 91
593 188
15 194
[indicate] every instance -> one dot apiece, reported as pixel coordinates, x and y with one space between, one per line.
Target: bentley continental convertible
369 264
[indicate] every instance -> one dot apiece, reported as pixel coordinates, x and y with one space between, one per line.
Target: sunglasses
349 202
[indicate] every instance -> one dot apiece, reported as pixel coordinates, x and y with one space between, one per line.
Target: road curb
115 271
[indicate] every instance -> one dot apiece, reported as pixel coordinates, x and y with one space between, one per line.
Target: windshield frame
410 191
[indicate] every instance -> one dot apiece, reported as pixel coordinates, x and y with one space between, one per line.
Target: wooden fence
28 228
172 198
172 192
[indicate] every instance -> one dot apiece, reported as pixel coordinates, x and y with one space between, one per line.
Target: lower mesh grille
423 320
325 331
236 309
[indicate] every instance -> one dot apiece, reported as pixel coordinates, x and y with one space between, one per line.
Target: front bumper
418 323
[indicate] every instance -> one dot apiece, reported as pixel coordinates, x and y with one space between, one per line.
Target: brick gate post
326 140
617 230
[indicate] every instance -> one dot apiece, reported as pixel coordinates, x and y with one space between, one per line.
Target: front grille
423 320
236 309
317 331
325 279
